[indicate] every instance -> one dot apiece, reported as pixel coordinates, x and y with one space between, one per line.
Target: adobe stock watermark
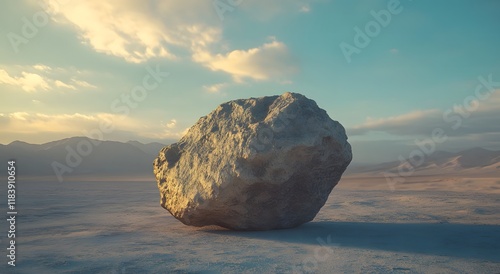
363 36
454 117
32 25
223 6
321 254
122 105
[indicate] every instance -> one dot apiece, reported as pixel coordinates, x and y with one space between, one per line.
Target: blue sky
63 76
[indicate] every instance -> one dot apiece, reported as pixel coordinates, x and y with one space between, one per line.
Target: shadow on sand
442 239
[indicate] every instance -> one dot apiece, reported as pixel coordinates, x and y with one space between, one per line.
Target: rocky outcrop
254 164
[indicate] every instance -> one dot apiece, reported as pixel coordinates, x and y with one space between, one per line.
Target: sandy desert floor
111 227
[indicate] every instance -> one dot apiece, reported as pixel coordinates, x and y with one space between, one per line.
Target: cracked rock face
254 164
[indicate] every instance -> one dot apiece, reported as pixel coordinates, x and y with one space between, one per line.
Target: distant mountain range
475 160
81 157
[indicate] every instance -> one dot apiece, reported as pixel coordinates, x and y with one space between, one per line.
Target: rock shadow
442 239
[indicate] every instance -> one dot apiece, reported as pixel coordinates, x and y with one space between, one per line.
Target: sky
391 72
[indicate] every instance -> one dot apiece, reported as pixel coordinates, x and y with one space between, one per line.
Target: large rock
254 164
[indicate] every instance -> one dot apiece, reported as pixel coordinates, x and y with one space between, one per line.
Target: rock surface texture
254 164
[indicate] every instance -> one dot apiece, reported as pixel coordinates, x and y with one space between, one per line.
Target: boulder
254 164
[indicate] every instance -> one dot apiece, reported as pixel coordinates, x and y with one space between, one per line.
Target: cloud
64 85
33 125
216 88
41 67
165 131
29 82
137 30
141 30
24 122
390 137
83 84
171 124
457 121
411 123
269 61
41 78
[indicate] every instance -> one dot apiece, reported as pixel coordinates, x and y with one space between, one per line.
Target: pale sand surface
468 183
109 227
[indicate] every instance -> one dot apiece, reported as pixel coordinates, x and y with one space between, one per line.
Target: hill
79 157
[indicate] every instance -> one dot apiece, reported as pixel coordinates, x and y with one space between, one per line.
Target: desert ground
425 225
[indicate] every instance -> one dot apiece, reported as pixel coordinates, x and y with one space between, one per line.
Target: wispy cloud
41 67
64 85
216 88
29 82
404 124
456 121
83 84
40 78
171 124
167 130
28 124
